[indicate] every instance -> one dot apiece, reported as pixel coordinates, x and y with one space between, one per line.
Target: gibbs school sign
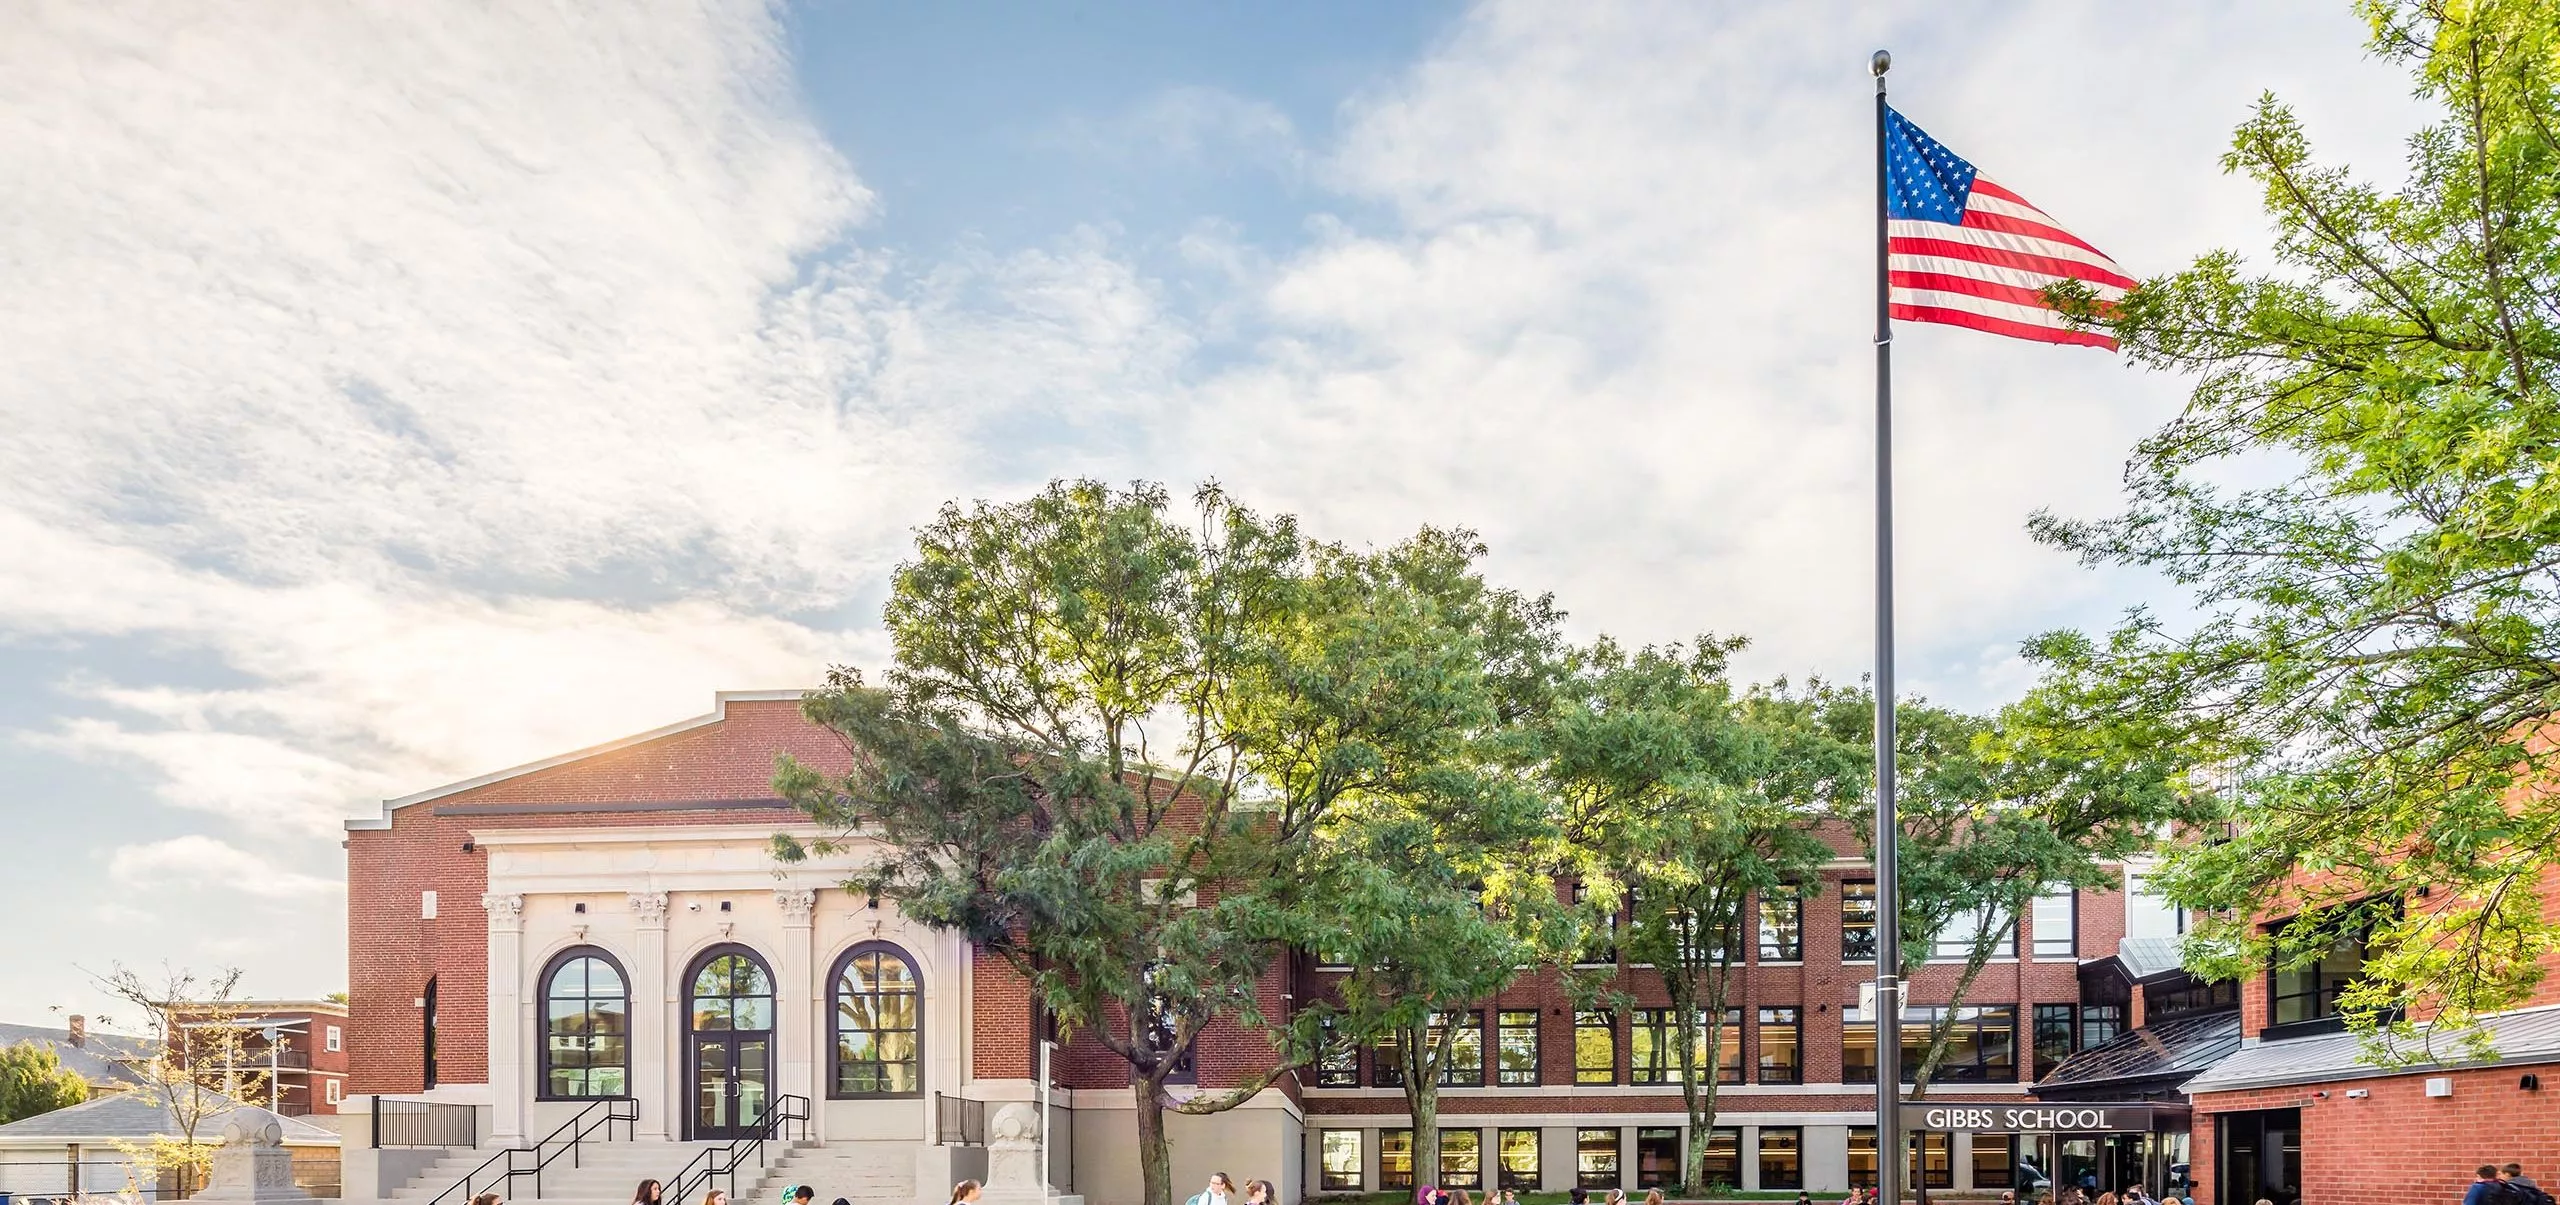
2056 1118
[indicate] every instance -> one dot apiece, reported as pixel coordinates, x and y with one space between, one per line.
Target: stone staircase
865 1173
604 1174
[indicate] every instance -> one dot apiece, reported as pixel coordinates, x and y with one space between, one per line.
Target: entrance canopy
2058 1117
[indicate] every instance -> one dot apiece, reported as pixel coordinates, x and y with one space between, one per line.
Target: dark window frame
1679 1156
1588 1179
1760 1154
2059 1020
1391 1179
1789 899
1504 1176
1329 1071
835 1021
1657 1022
1794 1025
1474 1180
1858 921
1325 1179
1453 1072
1707 1163
1504 1026
2044 945
542 1022
1608 1024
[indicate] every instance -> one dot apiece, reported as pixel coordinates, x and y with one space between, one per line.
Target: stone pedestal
252 1164
1014 1173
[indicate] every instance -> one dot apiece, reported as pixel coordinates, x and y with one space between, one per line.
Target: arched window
586 1026
878 1024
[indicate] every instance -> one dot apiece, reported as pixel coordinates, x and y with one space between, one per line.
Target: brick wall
2398 1145
393 951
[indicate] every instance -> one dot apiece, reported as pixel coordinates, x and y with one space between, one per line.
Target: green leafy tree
33 1080
1108 742
1698 804
1432 892
2362 498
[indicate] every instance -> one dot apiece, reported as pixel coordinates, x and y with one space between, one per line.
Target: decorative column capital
797 906
506 910
650 907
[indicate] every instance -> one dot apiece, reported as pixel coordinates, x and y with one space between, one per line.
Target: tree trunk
1422 1098
1155 1155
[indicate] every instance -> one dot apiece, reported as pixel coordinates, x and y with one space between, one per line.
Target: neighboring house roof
2524 1036
2172 1049
103 1059
133 1117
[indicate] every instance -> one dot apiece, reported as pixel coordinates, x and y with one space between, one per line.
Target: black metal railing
721 1163
958 1121
515 1161
398 1123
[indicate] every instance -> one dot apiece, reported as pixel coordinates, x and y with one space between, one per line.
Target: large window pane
1723 1157
1595 1158
1781 1061
1657 1157
1339 1065
876 1027
1858 921
1937 1159
1595 1048
2056 1036
1655 1057
1518 1150
1862 1156
2099 1024
1341 1161
1995 1160
1781 1157
1386 1061
1516 1048
2055 921
1395 1158
1857 1046
1463 1035
1955 942
1782 925
586 1029
1461 1158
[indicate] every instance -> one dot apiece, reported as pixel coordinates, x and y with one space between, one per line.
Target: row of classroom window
2053 918
1982 1046
1657 1158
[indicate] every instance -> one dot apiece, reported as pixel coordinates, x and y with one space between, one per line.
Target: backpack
2524 1194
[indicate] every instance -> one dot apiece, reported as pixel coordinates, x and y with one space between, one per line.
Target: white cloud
1621 319
474 385
197 862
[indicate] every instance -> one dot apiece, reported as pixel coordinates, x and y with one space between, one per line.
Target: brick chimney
79 1030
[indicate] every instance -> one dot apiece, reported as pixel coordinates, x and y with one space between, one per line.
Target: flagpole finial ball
1881 63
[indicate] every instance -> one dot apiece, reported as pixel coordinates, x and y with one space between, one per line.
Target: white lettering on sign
2026 1118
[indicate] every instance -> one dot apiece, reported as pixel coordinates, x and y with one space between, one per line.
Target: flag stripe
1977 270
1973 287
2000 326
2047 249
2021 260
1978 219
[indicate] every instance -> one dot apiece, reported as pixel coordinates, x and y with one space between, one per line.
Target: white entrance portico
684 967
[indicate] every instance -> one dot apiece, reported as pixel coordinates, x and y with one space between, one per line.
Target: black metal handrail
517 1161
723 1161
959 1121
414 1123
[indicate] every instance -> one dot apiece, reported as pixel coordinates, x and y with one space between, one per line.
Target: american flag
1967 252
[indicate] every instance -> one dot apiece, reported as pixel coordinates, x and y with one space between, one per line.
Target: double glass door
732 1081
729 1023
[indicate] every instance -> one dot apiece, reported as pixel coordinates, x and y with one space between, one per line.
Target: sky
392 393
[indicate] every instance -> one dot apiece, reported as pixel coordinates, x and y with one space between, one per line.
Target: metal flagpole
1889 1154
